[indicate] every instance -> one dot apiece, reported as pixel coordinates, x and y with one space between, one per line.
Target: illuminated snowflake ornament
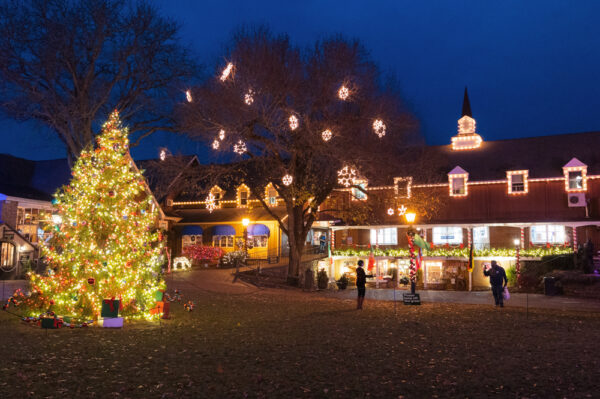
343 93
294 122
239 147
215 145
326 135
402 210
221 134
226 72
287 180
249 97
210 203
163 154
346 176
188 96
379 128
390 211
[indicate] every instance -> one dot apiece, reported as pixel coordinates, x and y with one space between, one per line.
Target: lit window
547 234
272 196
187 240
517 181
223 241
359 193
458 186
387 236
258 241
447 235
576 180
457 180
402 185
7 253
575 176
481 237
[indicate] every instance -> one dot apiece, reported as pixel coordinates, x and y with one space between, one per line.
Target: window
387 236
575 173
272 196
433 270
187 240
575 180
551 233
481 237
458 186
7 253
217 198
402 186
447 235
223 241
359 193
243 198
258 241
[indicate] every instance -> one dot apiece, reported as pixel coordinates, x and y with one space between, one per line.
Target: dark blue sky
532 67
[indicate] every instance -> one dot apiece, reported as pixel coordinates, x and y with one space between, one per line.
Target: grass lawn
286 344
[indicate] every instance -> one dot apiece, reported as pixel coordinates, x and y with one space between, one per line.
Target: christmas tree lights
104 244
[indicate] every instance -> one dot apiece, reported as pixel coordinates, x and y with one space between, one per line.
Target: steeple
466 105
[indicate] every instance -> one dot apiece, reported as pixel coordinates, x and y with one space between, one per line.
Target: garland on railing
459 252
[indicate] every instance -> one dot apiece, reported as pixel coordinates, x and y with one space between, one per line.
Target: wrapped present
51 322
158 308
110 308
166 309
111 322
158 296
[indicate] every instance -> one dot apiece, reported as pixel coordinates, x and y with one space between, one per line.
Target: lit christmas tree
104 242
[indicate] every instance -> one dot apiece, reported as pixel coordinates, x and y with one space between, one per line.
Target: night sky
532 67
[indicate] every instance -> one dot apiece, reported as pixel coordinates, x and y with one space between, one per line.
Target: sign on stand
411 299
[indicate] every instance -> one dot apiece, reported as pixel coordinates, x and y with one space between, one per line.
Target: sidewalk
476 298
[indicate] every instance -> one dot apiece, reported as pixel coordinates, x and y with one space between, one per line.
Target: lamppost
517 243
410 234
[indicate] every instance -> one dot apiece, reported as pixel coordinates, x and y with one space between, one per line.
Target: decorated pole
518 261
410 235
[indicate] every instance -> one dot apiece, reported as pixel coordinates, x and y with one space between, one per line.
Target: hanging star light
249 97
379 128
390 211
326 135
294 122
239 147
226 72
215 145
287 179
346 176
210 203
343 93
188 96
221 134
402 210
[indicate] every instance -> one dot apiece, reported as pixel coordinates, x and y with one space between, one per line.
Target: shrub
511 275
342 283
232 258
199 252
322 279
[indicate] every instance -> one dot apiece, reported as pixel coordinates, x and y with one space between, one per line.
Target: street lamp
410 234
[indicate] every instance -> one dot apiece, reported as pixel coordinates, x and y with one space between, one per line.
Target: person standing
322 243
498 281
361 282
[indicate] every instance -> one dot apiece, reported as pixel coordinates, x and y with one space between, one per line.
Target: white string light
249 97
163 154
326 135
343 93
188 96
287 179
221 134
390 211
215 145
379 128
239 147
226 72
346 176
294 122
210 203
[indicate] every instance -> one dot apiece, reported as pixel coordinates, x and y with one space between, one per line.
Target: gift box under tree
110 308
51 322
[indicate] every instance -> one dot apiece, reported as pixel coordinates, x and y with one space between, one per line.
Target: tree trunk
296 238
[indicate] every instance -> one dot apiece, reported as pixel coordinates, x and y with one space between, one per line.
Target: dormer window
457 181
517 181
359 191
217 193
575 176
271 195
402 186
243 195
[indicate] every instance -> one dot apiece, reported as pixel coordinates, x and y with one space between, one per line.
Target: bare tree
68 63
299 113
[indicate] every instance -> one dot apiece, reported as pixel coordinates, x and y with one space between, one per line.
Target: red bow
111 303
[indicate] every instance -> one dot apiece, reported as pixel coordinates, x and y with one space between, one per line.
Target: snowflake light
249 97
287 179
163 154
390 211
293 122
402 210
326 135
343 93
215 145
346 176
239 147
210 203
379 128
221 134
226 72
188 96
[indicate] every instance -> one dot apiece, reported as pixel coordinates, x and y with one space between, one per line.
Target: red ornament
51 301
91 281
111 193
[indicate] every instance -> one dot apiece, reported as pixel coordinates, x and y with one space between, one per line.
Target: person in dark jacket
361 281
498 281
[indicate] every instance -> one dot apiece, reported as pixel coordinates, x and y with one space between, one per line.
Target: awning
258 230
223 230
192 231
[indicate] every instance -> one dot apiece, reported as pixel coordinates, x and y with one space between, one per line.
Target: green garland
458 252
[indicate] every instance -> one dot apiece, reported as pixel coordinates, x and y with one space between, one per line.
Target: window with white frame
387 236
272 196
447 235
517 181
459 186
243 197
481 237
359 193
575 180
547 234
223 241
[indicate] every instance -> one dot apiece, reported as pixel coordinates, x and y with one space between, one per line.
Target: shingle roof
32 179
